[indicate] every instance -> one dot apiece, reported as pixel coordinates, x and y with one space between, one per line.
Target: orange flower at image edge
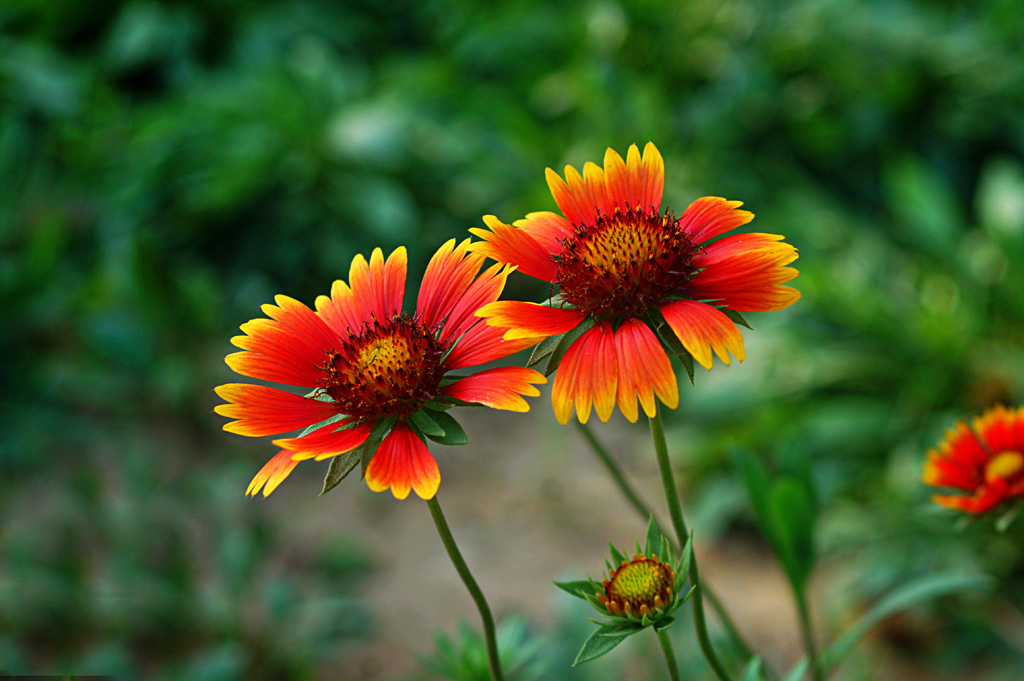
633 270
986 461
375 370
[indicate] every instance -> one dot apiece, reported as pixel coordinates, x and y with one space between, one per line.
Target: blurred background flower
165 167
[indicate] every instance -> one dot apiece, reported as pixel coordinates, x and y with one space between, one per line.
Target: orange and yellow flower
984 459
634 270
378 376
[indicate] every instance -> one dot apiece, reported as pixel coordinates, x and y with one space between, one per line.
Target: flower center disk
388 368
1007 466
642 585
624 263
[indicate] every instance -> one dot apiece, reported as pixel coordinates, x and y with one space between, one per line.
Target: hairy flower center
1007 465
639 587
624 263
388 368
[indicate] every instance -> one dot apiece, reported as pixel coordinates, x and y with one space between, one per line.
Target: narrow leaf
543 349
618 629
757 482
687 360
426 425
664 623
323 424
369 448
596 646
340 467
454 434
753 670
793 516
568 338
736 317
652 546
577 588
923 589
617 557
798 672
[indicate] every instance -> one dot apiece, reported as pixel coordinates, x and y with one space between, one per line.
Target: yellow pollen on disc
385 355
641 585
1006 465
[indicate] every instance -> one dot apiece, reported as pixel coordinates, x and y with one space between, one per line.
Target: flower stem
808 635
474 589
675 509
645 512
670 655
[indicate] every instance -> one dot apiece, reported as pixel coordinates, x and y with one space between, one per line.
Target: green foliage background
166 167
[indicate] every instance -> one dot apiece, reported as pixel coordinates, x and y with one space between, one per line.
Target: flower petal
711 216
549 229
525 320
272 474
701 329
285 349
745 273
378 286
644 370
485 289
513 246
449 274
403 462
498 388
328 441
482 344
604 367
262 410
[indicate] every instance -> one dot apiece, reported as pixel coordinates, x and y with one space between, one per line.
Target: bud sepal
635 594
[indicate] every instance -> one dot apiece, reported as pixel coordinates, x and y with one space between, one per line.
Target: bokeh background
166 167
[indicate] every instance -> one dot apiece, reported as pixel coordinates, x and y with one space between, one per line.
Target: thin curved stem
669 653
474 589
808 635
675 510
645 512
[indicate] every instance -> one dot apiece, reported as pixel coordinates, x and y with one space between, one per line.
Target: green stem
675 509
808 635
670 655
645 512
474 589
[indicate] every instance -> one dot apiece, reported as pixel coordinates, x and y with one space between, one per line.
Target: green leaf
664 623
454 434
923 589
798 672
340 467
737 318
686 558
617 558
652 547
557 300
543 349
758 484
687 360
323 424
618 629
598 645
426 425
369 448
793 516
753 670
1004 521
578 587
568 338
